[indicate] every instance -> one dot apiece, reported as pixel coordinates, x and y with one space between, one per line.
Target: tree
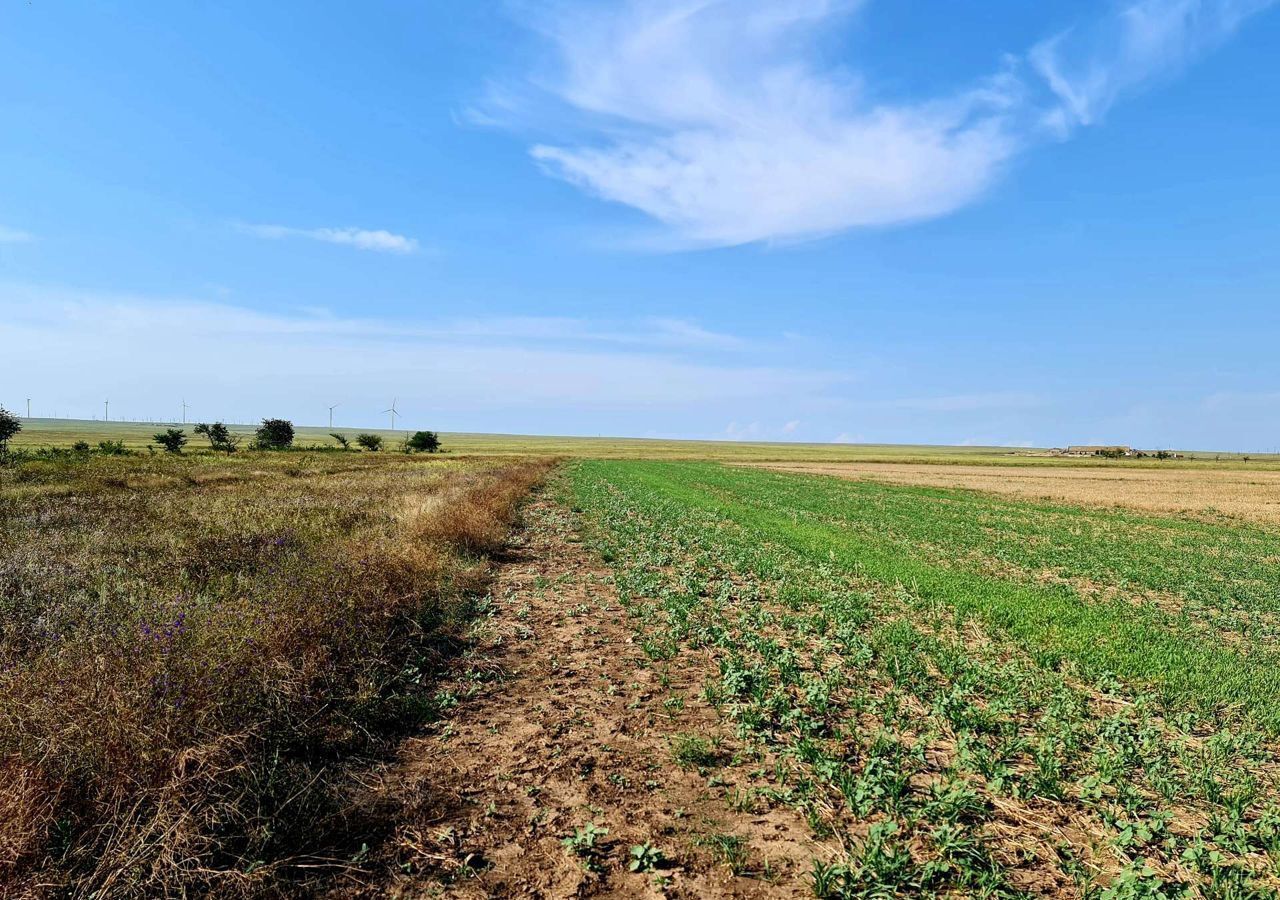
343 441
9 426
171 439
220 437
423 442
275 434
372 442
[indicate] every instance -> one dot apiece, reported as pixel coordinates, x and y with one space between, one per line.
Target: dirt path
577 729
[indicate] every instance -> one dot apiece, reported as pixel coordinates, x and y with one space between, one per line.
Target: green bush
372 442
275 434
9 426
171 439
220 437
423 442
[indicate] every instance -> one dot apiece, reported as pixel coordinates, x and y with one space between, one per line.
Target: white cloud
711 116
752 431
1089 68
500 373
1256 402
361 238
790 427
13 236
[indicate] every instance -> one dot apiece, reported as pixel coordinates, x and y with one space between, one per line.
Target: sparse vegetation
343 441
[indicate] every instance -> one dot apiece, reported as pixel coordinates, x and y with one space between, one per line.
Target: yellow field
1230 489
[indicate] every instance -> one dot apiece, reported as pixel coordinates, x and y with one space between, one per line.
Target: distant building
1091 450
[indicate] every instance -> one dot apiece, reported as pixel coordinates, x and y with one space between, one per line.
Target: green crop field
972 694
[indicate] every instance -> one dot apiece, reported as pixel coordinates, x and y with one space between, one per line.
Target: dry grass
1252 495
191 648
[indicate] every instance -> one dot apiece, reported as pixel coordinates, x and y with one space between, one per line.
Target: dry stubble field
1231 490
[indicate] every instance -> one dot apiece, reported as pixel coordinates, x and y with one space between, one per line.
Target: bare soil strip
579 728
1251 495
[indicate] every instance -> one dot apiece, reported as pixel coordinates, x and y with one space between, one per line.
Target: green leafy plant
645 858
370 442
584 843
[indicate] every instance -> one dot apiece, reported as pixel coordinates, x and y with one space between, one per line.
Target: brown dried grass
189 651
1248 494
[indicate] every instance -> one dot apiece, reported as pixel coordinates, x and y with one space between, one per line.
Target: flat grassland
1229 489
137 435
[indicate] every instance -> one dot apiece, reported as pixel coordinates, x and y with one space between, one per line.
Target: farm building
1090 450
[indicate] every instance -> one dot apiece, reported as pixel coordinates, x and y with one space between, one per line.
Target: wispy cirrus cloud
376 240
714 118
14 236
1090 67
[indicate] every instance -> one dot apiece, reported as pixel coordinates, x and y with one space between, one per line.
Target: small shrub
370 442
9 426
220 437
112 448
274 434
171 439
80 447
343 441
423 442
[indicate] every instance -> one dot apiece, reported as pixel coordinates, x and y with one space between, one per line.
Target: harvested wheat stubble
574 732
1253 495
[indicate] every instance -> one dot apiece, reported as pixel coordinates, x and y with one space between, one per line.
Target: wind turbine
331 409
184 411
393 412
106 410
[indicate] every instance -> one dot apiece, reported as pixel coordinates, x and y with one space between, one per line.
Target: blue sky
790 220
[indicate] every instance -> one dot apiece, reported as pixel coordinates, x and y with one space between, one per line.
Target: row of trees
277 434
272 434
